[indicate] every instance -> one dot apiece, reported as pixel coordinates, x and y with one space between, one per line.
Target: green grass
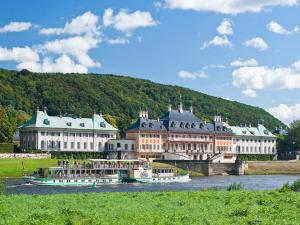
273 167
202 207
12 168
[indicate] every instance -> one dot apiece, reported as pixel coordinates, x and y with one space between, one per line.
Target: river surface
250 182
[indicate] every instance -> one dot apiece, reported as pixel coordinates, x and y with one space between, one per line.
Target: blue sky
246 51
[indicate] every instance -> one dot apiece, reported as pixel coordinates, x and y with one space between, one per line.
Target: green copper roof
259 131
43 120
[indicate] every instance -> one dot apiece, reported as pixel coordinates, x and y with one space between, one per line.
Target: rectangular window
43 133
65 145
91 145
72 145
78 145
66 134
84 145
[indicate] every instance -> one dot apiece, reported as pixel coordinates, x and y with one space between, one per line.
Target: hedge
253 157
78 155
6 147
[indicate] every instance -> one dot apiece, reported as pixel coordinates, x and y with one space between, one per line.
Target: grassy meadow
198 207
273 167
12 168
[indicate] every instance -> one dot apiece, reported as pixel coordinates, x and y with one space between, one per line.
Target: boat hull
73 182
174 179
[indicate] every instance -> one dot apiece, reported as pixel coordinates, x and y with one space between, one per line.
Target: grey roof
146 124
179 121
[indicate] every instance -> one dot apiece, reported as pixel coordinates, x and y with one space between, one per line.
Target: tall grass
2 187
184 207
235 186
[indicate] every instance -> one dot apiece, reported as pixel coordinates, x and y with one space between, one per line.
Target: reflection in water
256 182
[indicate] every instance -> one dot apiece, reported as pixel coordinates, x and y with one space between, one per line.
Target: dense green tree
110 119
6 128
119 96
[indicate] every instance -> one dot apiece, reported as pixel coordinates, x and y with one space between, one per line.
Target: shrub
296 186
2 188
285 188
6 148
235 186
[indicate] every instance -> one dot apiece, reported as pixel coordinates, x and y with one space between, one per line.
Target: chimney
191 109
45 110
170 108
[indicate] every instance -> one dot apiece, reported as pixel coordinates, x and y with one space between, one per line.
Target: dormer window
193 125
151 125
266 132
82 124
46 121
69 124
244 132
187 125
201 125
173 124
182 125
224 128
143 124
102 124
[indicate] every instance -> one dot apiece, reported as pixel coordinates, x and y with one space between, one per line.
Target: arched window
187 125
99 146
182 125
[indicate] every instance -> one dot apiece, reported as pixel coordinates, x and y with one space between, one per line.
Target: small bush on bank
285 188
235 186
2 188
293 187
296 186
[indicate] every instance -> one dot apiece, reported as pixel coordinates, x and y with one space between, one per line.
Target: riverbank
197 207
273 167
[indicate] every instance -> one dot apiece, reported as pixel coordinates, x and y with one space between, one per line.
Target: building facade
253 140
64 133
179 134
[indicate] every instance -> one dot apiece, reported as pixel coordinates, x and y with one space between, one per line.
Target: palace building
65 133
253 140
179 134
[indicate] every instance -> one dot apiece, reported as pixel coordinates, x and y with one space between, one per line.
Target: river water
250 182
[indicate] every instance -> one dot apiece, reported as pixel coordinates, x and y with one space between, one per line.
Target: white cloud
227 6
213 66
83 24
77 46
241 63
15 27
225 28
127 22
249 93
226 98
275 27
158 4
70 54
17 54
260 77
221 41
191 75
63 64
285 113
257 43
118 40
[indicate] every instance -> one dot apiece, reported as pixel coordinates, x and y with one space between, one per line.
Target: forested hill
120 96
